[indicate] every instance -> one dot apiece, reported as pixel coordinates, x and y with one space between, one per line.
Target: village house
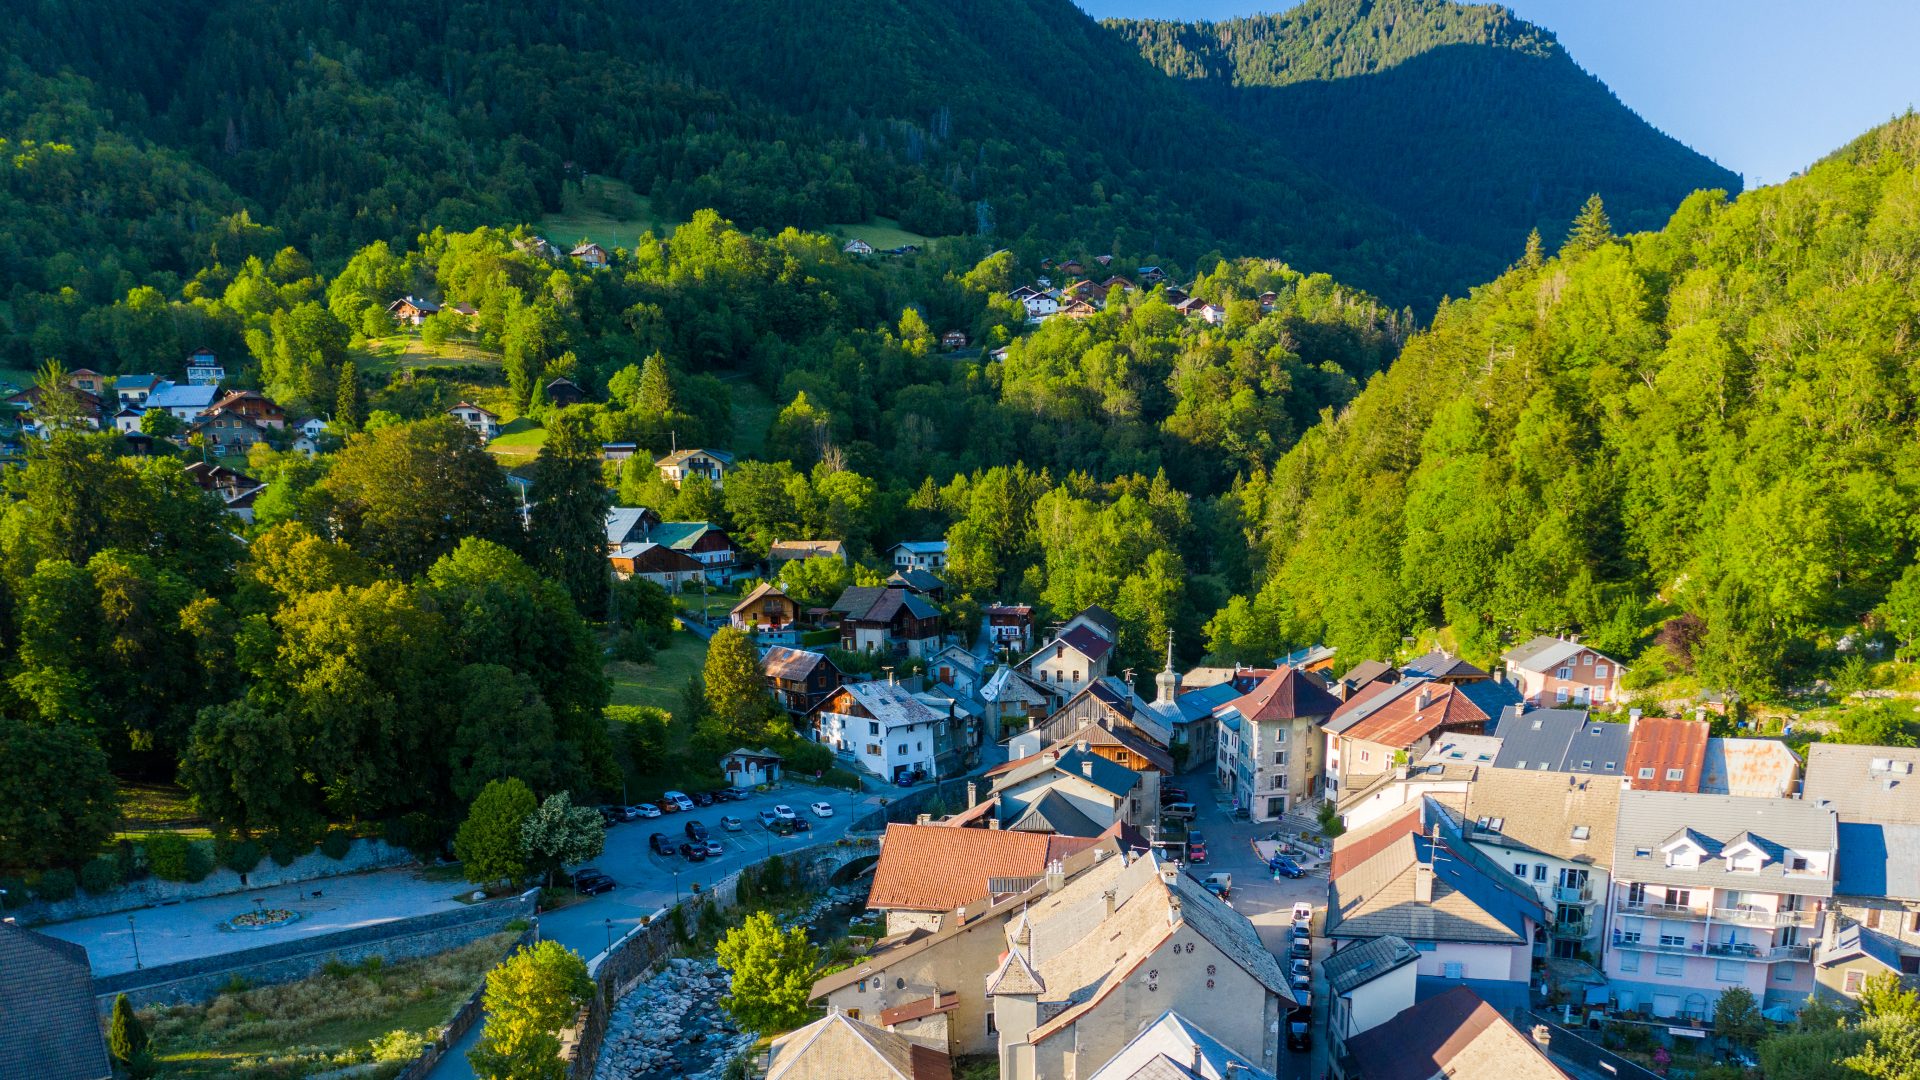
1008 626
88 408
874 619
920 582
1665 754
930 555
618 452
1392 723
203 369
717 554
1122 745
186 403
226 432
53 1026
1013 704
255 406
1715 891
800 680
765 611
884 729
1455 1034
953 339
671 570
710 465
131 390
563 391
1554 671
232 487
1405 788
1414 876
746 768
1554 832
127 421
1277 742
781 552
1562 741
87 380
1073 792
590 255
1091 964
412 310
1368 983
629 524
856 246
1874 793
1109 703
1175 1048
481 421
1069 663
948 964
840 1047
1040 303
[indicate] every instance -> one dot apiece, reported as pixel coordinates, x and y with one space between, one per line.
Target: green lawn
155 808
605 211
520 438
659 682
326 1022
383 355
881 232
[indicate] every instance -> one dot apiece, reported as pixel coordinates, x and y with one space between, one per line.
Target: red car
1196 848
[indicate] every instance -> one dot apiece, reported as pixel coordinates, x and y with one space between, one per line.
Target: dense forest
1696 445
147 143
1468 122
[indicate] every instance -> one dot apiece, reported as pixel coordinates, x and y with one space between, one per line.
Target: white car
784 812
646 810
678 799
821 809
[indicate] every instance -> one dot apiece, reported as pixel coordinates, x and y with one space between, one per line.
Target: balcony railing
1573 894
1571 929
1740 950
1747 916
1660 911
1654 945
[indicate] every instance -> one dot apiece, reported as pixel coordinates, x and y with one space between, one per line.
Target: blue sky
1765 87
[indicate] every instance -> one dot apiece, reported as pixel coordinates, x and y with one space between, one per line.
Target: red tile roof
1661 743
1405 721
1355 848
945 1001
1285 695
938 868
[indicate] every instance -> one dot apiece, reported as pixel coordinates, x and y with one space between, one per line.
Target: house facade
710 546
1554 832
1716 891
883 728
482 422
929 555
671 570
1557 671
1069 663
746 768
766 611
709 465
895 621
800 680
1275 760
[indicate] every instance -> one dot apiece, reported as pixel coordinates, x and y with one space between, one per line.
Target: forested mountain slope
1470 123
1706 430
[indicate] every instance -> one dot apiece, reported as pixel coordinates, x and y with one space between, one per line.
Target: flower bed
263 919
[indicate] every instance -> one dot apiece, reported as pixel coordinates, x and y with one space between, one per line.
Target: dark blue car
1285 867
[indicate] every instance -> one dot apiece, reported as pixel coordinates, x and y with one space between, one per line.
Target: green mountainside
1697 442
1471 124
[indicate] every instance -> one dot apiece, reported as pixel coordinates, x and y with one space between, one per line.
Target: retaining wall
363 855
200 979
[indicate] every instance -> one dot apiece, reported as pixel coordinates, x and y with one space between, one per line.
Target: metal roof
1648 820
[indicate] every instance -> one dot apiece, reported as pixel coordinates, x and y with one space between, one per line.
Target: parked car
696 831
693 852
666 805
720 795
821 809
624 813
1300 1032
1174 794
701 799
678 799
769 818
1179 811
660 844
1196 848
609 815
714 850
1302 911
1285 867
1302 967
645 810
590 882
784 811
731 823
1220 885
1302 982
799 824
1301 949
782 827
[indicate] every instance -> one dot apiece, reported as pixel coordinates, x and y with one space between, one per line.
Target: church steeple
1167 683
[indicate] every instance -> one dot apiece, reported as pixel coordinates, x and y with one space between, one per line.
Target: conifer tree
1590 227
1535 253
346 406
655 396
569 517
127 1039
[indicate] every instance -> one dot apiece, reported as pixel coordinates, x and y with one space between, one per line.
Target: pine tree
655 397
1535 253
1590 228
346 407
126 1038
569 526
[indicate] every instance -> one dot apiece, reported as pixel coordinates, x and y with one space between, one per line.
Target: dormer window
1581 832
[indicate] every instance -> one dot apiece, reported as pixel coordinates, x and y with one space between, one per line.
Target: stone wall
905 807
200 979
364 855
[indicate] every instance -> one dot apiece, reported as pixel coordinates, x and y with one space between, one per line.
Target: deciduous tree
488 843
771 971
531 996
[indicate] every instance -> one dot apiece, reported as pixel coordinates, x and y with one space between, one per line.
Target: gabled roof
1363 962
52 1026
469 405
760 592
1865 783
1080 639
806 549
1405 721
681 535
1561 741
681 456
1455 1034
916 579
921 547
169 395
1662 743
1546 652
622 520
849 1049
1469 905
1175 1048
939 868
420 303
1053 814
1285 695
1856 942
1008 685
890 703
794 665
1566 816
1196 705
1441 664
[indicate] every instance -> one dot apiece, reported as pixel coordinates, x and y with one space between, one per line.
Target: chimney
960 915
1633 715
1500 675
923 819
993 823
1173 909
1700 713
1086 769
1107 898
1423 699
1081 746
1344 690
1422 883
1056 876
973 794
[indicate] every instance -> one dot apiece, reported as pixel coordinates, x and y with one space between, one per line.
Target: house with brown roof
235 489
841 1047
253 405
412 310
1088 965
800 679
1074 792
781 552
52 1028
883 728
481 421
1121 745
887 620
590 255
1108 702
927 872
671 570
1554 831
1456 1034
1393 723
1268 748
765 610
1066 665
1666 754
1008 626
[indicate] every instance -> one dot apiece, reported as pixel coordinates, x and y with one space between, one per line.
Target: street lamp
676 885
609 936
131 929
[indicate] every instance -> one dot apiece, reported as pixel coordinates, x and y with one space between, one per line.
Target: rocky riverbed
671 1028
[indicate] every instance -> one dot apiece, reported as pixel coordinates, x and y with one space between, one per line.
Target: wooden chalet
766 608
800 680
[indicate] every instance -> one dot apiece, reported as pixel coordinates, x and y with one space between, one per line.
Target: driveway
191 929
1266 902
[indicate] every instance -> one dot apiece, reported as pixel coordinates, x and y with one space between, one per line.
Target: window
1873 918
1783 972
1560 696
1670 965
1076 676
939 730
1423 946
873 728
1673 935
1637 892
903 749
1728 971
853 1014
1586 765
1453 971
1581 832
1280 735
1280 782
1365 756
1519 764
1279 757
1599 671
1676 774
1539 871
1629 961
1564 673
1586 659
1520 870
875 750
1913 924
991 1029
1646 774
1680 897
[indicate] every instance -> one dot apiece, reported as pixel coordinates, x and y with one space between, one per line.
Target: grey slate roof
49 1026
1231 933
1865 783
1854 941
1649 819
1561 740
1439 665
1359 964
1052 813
1879 860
